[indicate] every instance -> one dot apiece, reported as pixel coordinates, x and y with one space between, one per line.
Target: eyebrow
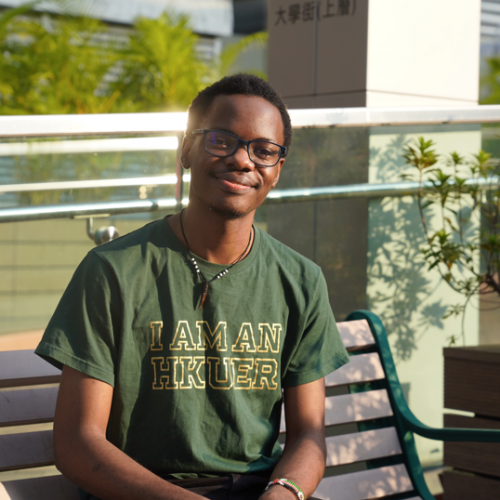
223 129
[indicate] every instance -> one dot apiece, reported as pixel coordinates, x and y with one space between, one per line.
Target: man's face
233 185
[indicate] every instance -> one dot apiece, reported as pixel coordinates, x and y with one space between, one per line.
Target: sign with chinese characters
306 11
323 44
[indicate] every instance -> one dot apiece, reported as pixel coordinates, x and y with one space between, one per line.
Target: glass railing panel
326 157
76 159
340 156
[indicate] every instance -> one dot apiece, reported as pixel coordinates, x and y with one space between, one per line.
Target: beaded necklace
206 283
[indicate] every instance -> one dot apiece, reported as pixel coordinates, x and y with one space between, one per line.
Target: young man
177 339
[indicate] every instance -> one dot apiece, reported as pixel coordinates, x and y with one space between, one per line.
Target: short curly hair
239 84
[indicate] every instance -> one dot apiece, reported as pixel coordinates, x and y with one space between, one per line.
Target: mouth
235 183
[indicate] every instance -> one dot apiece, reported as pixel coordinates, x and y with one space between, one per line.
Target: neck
212 236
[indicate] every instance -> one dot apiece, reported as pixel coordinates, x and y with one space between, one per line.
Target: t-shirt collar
209 269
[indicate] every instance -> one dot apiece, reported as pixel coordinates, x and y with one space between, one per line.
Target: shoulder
290 262
138 244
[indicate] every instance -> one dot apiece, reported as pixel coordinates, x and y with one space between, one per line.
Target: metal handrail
158 180
346 191
103 145
76 210
154 123
396 189
96 124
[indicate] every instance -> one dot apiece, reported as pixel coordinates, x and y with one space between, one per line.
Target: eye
219 141
264 151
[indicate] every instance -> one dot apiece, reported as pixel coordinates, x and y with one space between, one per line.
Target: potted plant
465 247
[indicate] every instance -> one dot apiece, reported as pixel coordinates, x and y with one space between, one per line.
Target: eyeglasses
223 144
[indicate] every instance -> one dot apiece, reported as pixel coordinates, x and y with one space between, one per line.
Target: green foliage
490 83
234 50
54 66
420 155
462 191
159 68
72 63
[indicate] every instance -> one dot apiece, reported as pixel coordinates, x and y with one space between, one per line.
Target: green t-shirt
197 391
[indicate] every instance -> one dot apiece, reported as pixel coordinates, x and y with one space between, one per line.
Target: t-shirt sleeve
320 350
83 331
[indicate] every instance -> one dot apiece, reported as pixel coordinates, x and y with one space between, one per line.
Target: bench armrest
447 434
401 410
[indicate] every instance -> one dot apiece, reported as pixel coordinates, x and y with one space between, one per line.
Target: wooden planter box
472 383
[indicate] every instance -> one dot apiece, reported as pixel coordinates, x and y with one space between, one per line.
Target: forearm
86 457
303 462
97 466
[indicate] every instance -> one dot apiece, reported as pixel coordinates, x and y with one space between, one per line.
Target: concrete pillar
374 53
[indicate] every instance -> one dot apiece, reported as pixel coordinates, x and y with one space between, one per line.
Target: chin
229 213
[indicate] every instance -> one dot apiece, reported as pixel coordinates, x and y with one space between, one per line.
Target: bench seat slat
30 449
365 485
356 335
30 406
360 446
361 368
43 488
18 368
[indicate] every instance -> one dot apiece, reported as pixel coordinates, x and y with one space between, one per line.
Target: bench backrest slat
362 368
43 488
22 368
30 449
356 335
357 407
353 408
30 406
367 484
361 446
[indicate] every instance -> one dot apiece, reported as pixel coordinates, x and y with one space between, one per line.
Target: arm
86 457
303 460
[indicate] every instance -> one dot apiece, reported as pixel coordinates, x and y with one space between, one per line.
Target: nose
240 159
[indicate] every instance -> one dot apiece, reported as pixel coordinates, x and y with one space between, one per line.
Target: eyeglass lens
260 152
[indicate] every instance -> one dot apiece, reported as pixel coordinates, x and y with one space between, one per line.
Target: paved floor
19 341
432 480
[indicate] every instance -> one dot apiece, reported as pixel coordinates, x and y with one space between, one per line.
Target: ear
187 143
279 166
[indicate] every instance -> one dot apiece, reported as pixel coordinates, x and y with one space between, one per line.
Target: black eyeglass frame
283 149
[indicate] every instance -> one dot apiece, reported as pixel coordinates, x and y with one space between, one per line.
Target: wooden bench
369 427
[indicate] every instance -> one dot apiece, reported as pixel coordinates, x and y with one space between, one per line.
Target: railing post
179 171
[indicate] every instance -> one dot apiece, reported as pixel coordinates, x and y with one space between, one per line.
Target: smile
234 185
